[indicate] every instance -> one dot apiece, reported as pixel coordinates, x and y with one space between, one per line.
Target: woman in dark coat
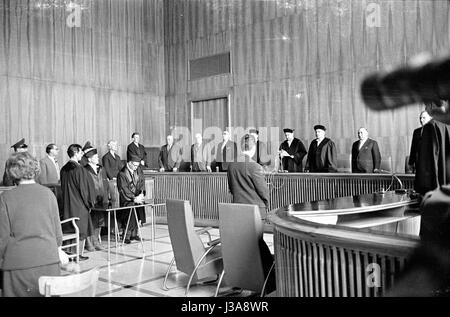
30 230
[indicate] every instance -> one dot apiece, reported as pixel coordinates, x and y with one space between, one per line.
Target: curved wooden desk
315 258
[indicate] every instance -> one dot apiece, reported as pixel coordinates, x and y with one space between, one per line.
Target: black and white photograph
225 156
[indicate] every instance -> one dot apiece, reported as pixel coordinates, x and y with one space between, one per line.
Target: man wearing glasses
131 187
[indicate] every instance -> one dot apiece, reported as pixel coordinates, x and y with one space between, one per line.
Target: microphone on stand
400 190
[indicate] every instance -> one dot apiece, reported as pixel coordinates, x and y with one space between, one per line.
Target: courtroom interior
224 148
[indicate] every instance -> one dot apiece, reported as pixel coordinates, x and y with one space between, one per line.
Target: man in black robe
131 187
20 146
77 194
433 157
137 149
292 152
322 156
424 118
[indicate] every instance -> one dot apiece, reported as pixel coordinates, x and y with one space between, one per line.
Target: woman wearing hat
101 199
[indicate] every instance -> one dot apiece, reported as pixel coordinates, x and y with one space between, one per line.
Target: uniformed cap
253 131
288 130
319 127
89 150
134 158
20 145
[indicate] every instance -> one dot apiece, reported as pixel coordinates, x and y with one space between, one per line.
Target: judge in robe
424 118
137 149
366 157
18 147
261 157
49 166
226 152
292 152
131 186
169 158
100 181
77 194
322 156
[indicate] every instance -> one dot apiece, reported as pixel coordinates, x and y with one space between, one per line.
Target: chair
386 164
247 260
344 163
190 254
69 236
75 285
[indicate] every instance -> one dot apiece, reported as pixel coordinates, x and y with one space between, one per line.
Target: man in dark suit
322 155
49 166
19 146
260 156
292 152
131 186
137 149
248 186
226 152
170 156
366 157
424 118
246 178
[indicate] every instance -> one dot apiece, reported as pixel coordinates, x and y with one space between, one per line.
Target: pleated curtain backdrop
101 80
298 63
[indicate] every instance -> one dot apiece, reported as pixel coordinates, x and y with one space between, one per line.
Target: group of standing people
322 153
30 219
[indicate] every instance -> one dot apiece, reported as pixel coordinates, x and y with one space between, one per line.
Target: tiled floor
131 273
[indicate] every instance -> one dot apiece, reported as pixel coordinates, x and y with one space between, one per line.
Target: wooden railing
314 260
206 190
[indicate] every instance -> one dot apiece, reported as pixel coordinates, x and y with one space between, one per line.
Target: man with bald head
424 118
366 157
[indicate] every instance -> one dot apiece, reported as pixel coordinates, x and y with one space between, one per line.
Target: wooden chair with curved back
72 237
74 285
190 253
